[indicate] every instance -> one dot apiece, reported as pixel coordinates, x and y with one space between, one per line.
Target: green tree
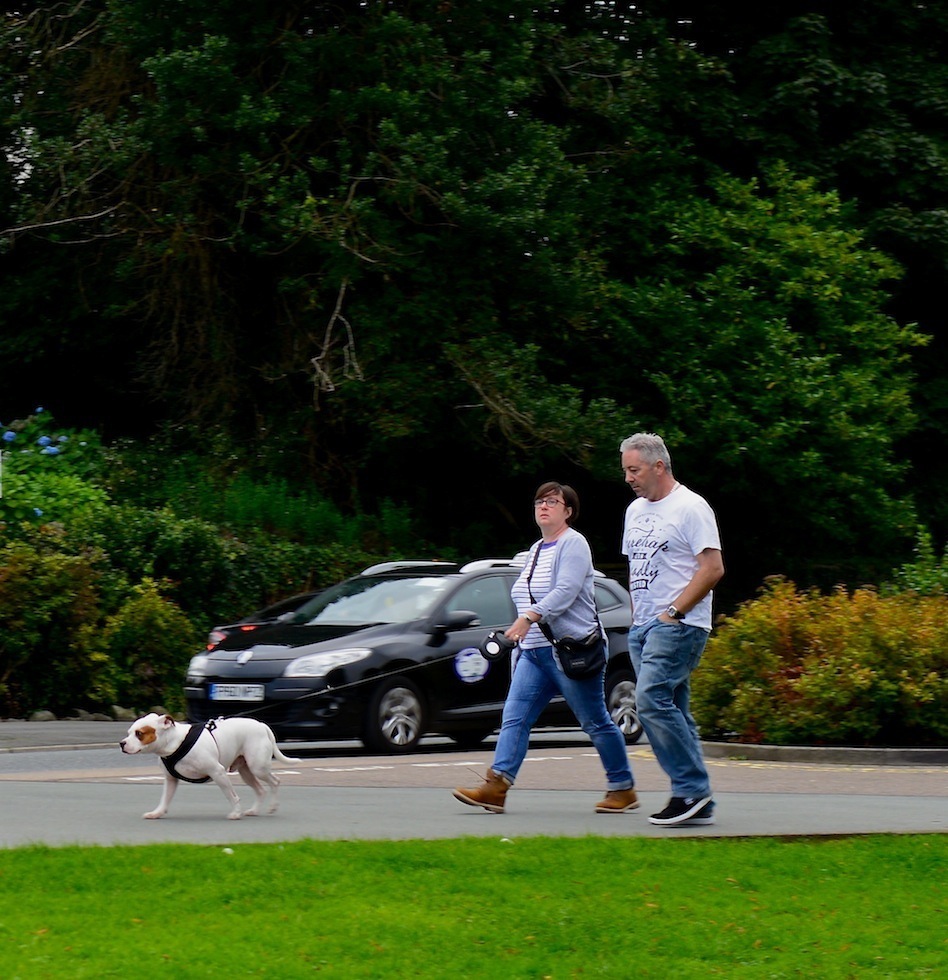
771 304
372 239
854 94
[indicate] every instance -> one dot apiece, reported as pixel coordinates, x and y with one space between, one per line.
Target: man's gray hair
650 446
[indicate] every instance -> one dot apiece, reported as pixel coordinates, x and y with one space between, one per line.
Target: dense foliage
112 576
437 252
109 587
856 668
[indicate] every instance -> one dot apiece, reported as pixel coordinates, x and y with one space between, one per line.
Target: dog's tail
276 753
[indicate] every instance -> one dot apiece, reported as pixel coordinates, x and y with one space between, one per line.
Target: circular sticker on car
470 665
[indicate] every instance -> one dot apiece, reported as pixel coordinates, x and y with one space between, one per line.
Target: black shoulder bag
578 658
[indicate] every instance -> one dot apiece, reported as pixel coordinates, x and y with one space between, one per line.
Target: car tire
395 718
470 739
620 703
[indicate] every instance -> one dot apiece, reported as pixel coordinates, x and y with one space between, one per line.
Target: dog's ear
167 721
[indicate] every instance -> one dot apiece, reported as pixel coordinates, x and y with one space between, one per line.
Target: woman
556 588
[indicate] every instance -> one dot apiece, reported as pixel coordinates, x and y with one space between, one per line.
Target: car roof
399 566
437 567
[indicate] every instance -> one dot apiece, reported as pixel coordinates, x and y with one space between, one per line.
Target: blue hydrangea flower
43 441
9 435
50 451
37 511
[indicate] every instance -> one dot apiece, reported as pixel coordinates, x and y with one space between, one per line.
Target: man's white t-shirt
661 539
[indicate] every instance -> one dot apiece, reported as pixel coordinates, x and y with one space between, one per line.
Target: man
673 545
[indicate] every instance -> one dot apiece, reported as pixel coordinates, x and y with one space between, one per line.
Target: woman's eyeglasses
548 502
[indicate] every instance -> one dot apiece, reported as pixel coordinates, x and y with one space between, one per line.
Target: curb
71 735
828 755
71 747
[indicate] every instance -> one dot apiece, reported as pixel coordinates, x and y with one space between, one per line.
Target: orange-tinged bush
847 668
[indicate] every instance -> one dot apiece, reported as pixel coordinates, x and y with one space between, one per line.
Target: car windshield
362 602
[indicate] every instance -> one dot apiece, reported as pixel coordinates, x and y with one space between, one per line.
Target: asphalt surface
68 782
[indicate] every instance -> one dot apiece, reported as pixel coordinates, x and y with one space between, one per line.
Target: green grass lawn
536 907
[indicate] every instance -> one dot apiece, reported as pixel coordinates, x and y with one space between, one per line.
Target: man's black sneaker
703 818
679 810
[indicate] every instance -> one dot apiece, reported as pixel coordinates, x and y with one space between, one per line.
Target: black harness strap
169 761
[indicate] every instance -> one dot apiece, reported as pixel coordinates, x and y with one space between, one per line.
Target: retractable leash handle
495 645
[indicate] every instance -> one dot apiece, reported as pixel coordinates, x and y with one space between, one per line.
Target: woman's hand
518 628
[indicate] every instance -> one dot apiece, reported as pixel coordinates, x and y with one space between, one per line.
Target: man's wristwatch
674 613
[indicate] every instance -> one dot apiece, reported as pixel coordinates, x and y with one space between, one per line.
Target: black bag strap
544 629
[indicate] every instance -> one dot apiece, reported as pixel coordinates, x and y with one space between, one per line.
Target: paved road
63 782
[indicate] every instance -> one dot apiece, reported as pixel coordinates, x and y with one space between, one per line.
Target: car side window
605 599
488 597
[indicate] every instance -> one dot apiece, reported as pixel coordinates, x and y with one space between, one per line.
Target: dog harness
194 733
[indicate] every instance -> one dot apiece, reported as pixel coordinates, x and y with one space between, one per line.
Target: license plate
236 692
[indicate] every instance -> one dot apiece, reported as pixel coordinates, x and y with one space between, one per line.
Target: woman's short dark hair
569 495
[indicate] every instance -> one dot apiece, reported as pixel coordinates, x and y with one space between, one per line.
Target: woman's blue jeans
536 679
664 656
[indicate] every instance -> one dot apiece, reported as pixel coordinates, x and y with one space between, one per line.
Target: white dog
197 753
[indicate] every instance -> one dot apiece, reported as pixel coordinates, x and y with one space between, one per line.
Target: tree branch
61 221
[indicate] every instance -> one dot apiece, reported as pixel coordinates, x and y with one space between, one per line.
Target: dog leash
375 678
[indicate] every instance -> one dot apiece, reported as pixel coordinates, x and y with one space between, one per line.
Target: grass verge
536 907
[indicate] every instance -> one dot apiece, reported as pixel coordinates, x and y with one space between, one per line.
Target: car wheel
395 717
470 739
620 702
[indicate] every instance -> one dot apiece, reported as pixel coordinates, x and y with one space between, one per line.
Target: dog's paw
153 815
273 807
252 812
234 815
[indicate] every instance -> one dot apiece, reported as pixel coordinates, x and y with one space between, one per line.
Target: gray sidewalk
110 814
22 736
84 790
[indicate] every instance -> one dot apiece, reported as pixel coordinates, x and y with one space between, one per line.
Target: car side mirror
459 619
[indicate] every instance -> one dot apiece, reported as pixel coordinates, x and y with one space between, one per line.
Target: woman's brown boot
490 794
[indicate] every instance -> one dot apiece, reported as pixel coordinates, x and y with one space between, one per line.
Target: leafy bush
189 555
48 497
37 441
208 478
927 575
847 668
48 609
262 570
148 644
48 474
104 601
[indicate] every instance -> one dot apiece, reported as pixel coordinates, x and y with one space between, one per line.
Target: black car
269 614
392 654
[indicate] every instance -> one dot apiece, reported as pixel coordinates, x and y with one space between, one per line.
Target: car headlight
320 664
198 667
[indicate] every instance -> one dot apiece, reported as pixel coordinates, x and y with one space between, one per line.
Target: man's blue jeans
536 680
664 656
